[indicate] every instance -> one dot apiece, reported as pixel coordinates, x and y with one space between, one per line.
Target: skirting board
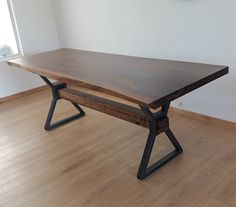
205 118
23 94
173 110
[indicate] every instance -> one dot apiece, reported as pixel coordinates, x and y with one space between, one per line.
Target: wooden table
148 83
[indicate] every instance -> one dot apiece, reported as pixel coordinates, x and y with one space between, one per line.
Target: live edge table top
144 81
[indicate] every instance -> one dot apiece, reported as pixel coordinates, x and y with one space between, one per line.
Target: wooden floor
94 161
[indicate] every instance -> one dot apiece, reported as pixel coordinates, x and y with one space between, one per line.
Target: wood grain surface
93 161
144 81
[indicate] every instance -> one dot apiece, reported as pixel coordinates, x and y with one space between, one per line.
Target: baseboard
23 94
201 117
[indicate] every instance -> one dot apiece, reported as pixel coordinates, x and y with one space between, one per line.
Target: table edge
154 105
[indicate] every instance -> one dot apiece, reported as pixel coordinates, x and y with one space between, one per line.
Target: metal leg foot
49 126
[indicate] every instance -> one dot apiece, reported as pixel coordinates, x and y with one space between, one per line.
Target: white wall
38 32
190 30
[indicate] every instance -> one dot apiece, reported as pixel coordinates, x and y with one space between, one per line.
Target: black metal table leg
158 123
48 125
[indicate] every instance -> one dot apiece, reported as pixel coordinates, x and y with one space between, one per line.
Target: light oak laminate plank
93 161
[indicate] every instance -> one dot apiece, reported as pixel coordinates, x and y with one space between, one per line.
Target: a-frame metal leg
158 123
48 125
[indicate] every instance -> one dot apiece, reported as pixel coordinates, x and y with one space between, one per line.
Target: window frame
16 33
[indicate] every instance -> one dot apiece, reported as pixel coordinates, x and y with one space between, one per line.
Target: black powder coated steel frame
158 123
55 97
154 130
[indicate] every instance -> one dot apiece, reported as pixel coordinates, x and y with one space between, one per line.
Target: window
9 38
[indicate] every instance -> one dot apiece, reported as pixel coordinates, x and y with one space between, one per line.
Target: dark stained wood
147 82
110 107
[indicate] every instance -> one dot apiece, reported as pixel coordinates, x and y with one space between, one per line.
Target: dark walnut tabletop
144 81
